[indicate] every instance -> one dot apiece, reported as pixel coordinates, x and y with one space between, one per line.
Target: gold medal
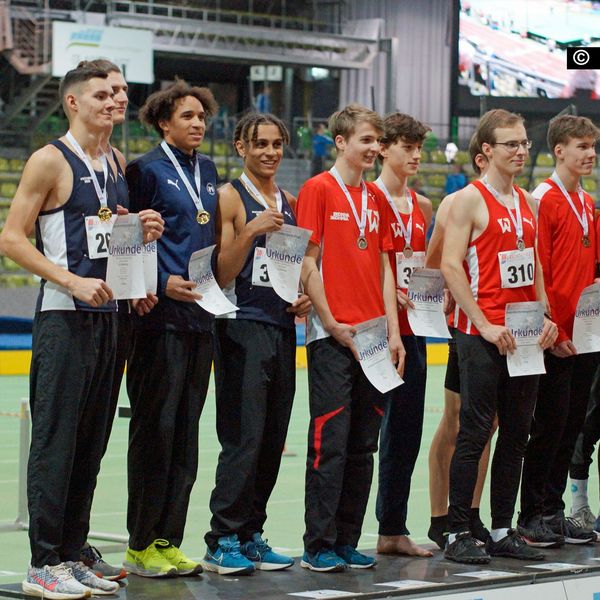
104 214
362 242
203 217
586 241
408 251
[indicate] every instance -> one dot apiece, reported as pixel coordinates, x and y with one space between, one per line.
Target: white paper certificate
525 321
213 299
426 291
375 359
151 267
586 327
284 253
125 267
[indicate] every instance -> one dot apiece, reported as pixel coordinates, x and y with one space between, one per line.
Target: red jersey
568 266
417 243
482 264
351 276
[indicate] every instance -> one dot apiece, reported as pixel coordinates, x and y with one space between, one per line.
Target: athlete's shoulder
318 182
149 160
544 190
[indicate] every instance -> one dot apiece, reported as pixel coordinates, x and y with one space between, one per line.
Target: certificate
151 267
284 253
374 354
526 322
213 299
426 291
586 327
125 266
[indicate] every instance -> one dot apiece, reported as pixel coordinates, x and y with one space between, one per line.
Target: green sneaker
177 558
148 563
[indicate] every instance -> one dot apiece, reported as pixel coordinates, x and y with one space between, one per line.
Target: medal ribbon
362 223
101 193
582 218
188 186
518 222
406 231
253 190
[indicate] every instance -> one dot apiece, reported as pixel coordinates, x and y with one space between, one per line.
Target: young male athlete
444 439
255 355
567 250
409 216
172 345
348 277
89 554
491 220
66 191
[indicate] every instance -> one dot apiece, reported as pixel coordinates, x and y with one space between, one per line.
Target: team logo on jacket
210 188
373 218
174 183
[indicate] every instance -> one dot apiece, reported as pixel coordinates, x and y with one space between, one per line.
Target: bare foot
400 544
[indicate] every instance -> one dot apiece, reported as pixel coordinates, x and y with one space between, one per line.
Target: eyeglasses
513 145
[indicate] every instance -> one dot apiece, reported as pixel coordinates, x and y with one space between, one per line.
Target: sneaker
324 561
261 554
85 576
148 563
570 529
92 558
173 555
466 549
585 517
438 536
536 533
54 583
597 525
513 546
354 559
227 558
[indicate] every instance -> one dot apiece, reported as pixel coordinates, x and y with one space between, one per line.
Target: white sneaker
54 583
585 517
85 576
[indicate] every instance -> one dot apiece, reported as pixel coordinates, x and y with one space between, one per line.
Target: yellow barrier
16 362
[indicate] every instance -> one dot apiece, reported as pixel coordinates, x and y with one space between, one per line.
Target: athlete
255 355
488 218
68 192
409 216
567 249
444 439
172 344
349 280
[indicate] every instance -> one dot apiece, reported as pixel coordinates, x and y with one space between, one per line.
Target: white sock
499 534
579 494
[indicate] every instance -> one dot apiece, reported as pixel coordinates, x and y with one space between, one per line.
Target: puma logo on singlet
419 226
504 223
528 221
174 183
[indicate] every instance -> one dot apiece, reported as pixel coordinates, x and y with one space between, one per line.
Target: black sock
474 516
439 522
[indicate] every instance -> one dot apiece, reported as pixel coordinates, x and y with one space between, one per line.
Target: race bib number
406 266
98 236
260 274
517 268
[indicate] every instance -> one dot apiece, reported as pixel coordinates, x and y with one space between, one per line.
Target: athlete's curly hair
160 105
246 129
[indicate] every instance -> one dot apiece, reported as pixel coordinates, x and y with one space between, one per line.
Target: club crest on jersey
174 183
396 229
373 218
339 216
210 188
504 223
86 179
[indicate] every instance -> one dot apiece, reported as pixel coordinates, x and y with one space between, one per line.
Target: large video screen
517 48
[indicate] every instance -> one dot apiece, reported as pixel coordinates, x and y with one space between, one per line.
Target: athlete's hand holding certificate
200 269
586 327
526 323
126 271
371 343
426 292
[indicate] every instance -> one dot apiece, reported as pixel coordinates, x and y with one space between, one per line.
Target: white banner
130 49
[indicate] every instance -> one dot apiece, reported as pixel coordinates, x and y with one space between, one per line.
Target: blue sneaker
261 554
354 559
227 559
323 561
